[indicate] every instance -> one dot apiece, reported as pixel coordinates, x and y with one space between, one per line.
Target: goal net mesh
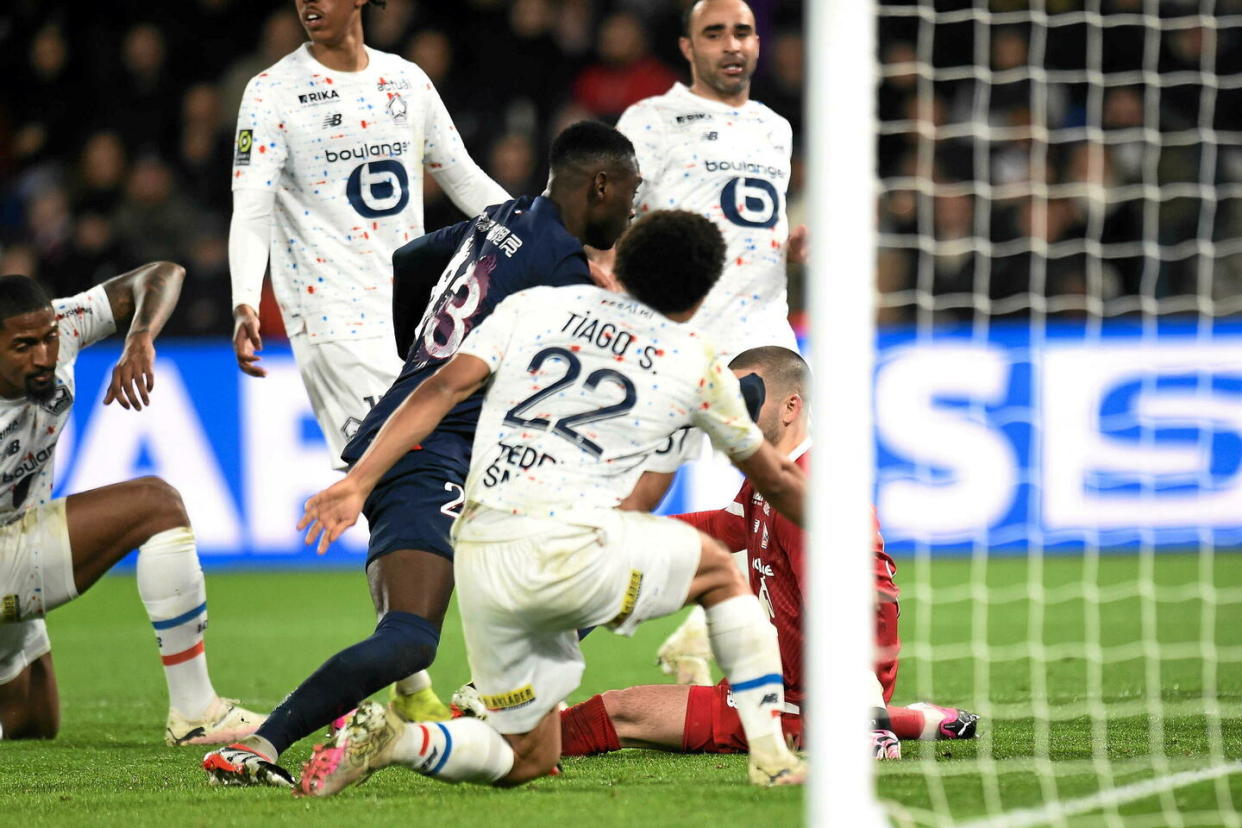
1059 405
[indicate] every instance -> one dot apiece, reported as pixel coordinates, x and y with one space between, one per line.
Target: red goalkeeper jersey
774 555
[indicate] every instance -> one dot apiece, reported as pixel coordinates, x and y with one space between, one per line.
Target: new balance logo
333 120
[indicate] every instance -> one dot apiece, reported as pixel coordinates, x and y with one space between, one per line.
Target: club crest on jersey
245 143
59 402
396 107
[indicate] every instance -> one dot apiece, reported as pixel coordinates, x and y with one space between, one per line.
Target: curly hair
669 259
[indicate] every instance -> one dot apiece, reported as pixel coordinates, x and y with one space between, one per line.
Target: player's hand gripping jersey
731 165
344 154
452 279
586 384
29 429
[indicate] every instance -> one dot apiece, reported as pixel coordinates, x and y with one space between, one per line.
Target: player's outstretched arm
146 296
337 507
778 479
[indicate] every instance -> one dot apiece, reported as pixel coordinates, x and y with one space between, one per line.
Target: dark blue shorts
416 502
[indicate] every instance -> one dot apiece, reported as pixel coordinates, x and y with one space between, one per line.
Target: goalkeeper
702 719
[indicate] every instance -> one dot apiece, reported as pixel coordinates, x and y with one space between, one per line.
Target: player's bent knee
532 765
162 501
717 577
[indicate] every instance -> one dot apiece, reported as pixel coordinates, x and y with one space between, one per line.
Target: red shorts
887 642
712 724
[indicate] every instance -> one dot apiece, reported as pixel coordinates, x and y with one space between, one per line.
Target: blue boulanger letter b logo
378 188
750 202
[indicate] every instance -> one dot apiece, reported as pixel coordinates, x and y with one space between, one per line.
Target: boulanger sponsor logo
245 143
744 168
512 700
32 463
318 97
361 152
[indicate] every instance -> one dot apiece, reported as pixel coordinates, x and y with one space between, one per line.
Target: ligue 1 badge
245 142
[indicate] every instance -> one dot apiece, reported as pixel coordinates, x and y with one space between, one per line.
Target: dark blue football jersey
508 248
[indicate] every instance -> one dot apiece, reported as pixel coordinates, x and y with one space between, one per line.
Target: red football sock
907 723
586 729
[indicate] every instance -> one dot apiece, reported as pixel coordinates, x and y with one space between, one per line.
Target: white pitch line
1103 799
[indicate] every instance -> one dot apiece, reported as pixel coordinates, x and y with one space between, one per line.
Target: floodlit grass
269 630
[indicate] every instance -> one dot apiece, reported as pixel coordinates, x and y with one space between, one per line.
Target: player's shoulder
387 63
657 109
762 112
289 69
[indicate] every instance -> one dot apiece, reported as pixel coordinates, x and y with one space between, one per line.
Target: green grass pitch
268 630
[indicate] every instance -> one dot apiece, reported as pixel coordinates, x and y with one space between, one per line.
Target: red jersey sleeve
725 525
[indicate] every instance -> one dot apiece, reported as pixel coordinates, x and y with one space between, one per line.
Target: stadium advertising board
1118 437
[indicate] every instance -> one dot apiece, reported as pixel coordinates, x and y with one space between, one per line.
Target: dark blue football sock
403 643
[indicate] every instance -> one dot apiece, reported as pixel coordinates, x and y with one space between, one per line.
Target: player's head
669 260
719 40
786 380
29 344
328 21
593 179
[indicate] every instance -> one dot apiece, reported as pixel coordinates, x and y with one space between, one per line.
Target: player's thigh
344 379
36 565
410 552
29 701
106 524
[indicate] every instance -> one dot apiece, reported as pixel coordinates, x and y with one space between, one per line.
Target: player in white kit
709 148
332 142
585 385
51 551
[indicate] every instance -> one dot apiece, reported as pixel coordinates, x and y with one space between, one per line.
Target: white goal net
1058 405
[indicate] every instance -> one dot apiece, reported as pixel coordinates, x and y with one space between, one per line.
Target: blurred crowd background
117 120
1089 164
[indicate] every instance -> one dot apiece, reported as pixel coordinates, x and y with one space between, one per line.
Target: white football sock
170 583
744 643
413 683
461 750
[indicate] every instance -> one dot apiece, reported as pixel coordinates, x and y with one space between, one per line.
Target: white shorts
36 577
344 378
525 586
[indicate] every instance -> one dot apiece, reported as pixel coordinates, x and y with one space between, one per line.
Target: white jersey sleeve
83 319
261 149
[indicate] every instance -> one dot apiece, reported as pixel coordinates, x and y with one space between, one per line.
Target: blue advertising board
1061 436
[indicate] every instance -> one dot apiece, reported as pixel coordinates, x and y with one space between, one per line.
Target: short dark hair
785 371
588 142
669 259
379 4
20 294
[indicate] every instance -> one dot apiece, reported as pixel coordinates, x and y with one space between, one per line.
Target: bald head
721 44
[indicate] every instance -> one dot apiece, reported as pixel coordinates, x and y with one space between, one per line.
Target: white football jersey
731 165
586 384
29 429
344 153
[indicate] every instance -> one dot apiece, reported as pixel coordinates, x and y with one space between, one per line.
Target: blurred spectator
282 33
145 110
513 165
625 71
781 87
100 177
154 221
205 150
50 104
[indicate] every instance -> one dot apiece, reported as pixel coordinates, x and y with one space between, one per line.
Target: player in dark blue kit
452 278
